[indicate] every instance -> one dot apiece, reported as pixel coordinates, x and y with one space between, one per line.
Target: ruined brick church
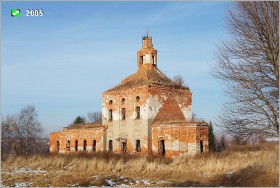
146 113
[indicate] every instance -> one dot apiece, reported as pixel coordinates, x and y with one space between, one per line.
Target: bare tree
21 132
178 80
94 117
248 65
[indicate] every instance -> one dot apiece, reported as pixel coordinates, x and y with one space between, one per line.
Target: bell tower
147 55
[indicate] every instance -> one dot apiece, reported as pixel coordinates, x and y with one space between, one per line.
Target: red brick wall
89 135
178 137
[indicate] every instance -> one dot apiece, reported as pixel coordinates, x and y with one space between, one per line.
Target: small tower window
123 100
141 59
110 102
110 115
123 113
137 99
153 59
138 112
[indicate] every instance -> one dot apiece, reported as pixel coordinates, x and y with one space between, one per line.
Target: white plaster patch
175 145
153 102
187 111
147 58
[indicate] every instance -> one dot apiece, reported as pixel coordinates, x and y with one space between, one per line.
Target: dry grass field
236 166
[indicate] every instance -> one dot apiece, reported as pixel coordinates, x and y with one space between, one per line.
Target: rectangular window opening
110 115
138 112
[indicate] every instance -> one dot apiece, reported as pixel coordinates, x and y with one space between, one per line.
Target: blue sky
62 62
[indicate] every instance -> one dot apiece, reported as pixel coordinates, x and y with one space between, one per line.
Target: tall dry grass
258 159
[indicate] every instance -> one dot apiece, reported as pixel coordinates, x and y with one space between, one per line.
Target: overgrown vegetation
238 165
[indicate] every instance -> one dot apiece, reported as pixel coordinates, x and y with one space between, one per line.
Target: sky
62 61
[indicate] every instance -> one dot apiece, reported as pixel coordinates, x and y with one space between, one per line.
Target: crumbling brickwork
81 139
146 113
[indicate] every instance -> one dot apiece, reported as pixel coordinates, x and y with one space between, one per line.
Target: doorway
161 147
201 146
57 146
124 147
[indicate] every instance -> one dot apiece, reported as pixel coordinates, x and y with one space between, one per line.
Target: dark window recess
123 100
68 145
153 59
85 145
138 112
138 148
123 114
110 102
110 115
76 145
94 145
137 99
110 145
57 146
141 59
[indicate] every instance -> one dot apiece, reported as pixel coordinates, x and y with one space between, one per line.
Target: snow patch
23 184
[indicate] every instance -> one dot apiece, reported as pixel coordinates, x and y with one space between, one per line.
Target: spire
147 33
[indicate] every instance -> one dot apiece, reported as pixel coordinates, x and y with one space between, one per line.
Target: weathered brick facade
147 112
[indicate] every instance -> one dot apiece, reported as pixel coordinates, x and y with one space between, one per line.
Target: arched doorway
161 146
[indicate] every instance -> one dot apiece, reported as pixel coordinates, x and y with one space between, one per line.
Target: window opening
94 145
85 145
123 114
68 145
138 112
76 145
110 115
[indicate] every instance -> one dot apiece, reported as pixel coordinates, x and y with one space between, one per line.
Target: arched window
76 145
85 145
68 145
137 99
123 100
94 145
110 102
